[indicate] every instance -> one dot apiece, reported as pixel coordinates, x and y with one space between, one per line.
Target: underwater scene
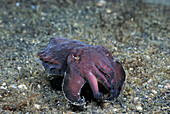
84 56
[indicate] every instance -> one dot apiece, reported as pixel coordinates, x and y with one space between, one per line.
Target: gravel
136 33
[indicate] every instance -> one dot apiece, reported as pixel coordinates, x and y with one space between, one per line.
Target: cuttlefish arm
72 83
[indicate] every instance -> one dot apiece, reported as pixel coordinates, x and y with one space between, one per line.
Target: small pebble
148 57
139 108
150 80
136 99
124 99
160 86
17 4
168 67
37 106
130 68
149 100
4 84
19 68
167 86
23 93
101 3
115 109
154 92
151 95
22 86
109 11
39 86
3 87
106 104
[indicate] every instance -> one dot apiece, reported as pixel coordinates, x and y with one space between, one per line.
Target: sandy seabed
137 34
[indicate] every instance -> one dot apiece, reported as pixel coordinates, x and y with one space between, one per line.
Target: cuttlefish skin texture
82 63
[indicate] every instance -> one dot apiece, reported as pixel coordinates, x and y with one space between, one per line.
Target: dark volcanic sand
137 34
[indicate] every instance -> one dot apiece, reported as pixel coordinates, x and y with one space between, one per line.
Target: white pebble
101 3
3 87
147 57
22 86
37 106
115 109
109 11
39 86
17 4
160 86
19 68
136 99
168 67
150 80
130 68
154 92
139 108
4 84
